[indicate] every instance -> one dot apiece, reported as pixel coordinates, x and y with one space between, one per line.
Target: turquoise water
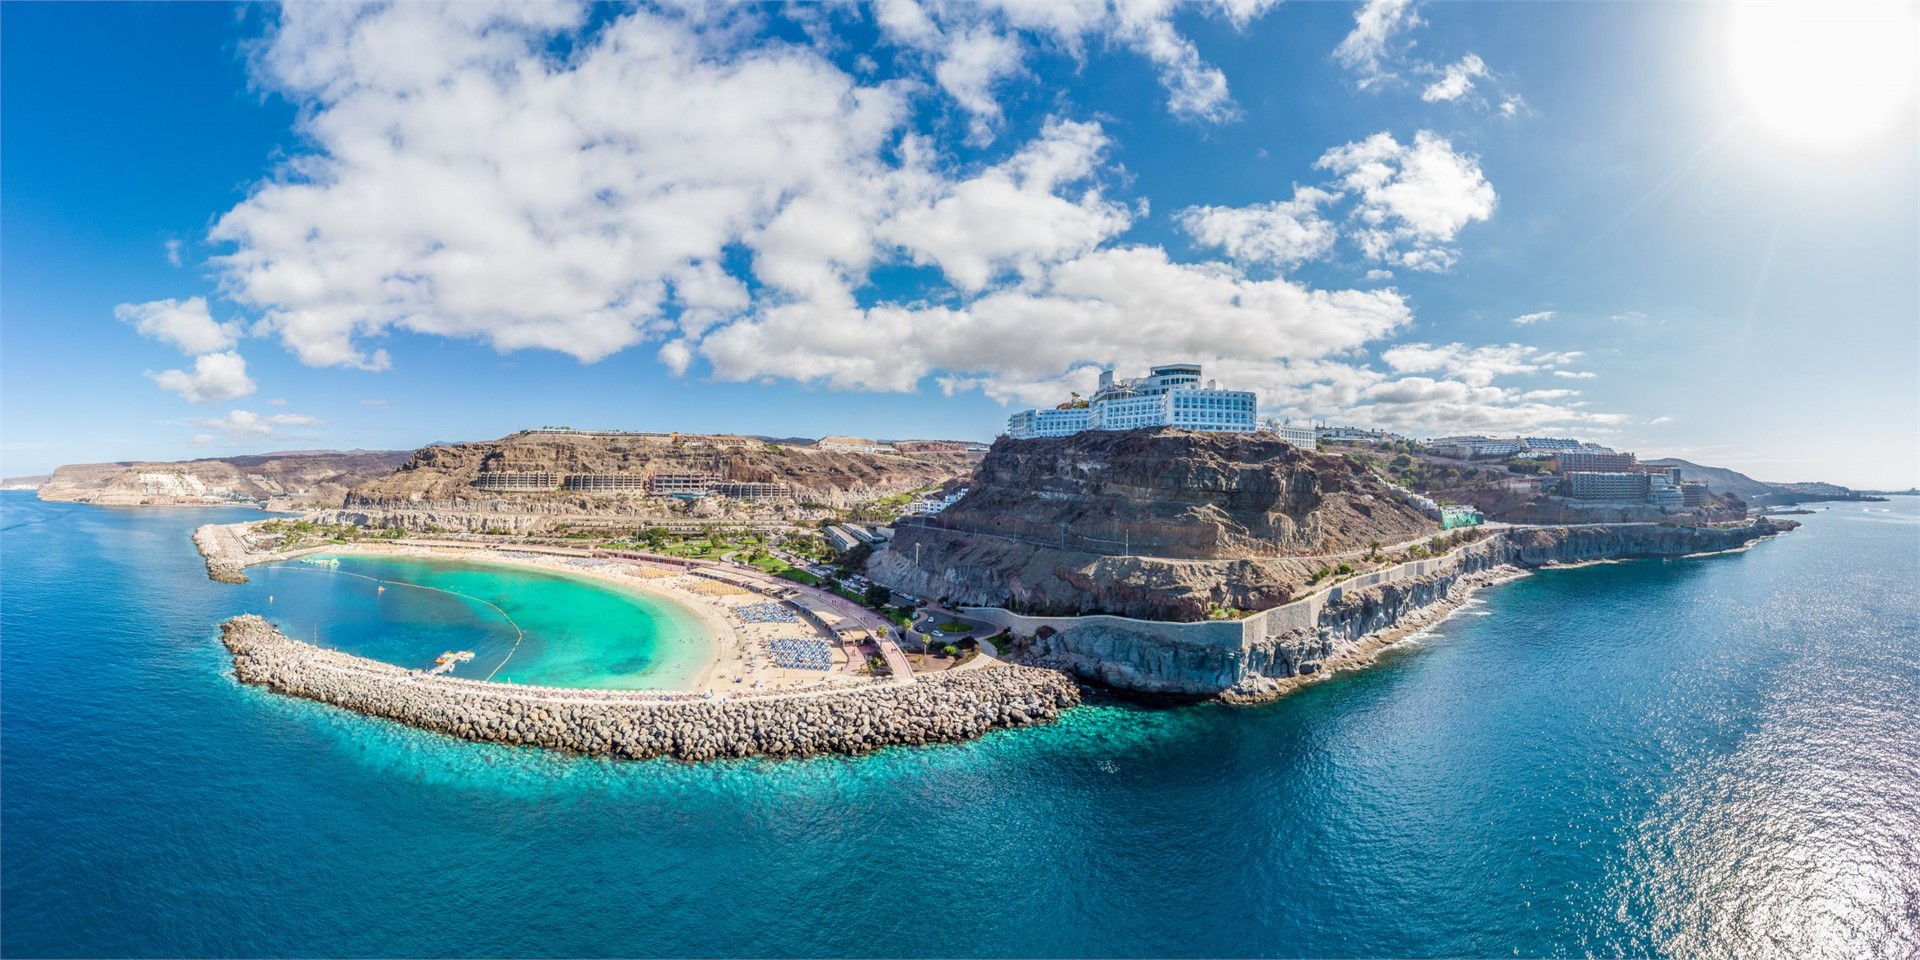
1702 758
522 625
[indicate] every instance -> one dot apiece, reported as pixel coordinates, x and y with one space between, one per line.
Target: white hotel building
1169 396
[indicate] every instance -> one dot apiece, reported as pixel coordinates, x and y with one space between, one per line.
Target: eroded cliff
440 477
1159 524
301 479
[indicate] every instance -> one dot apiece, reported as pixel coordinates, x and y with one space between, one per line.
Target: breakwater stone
938 709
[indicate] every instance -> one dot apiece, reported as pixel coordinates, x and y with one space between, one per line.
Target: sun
1824 75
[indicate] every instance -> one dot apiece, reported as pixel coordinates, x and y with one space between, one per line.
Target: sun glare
1824 75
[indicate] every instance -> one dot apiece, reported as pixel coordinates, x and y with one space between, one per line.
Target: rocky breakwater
218 543
944 708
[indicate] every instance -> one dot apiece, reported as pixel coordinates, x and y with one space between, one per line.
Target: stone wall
942 708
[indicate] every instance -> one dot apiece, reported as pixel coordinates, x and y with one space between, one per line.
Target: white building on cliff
1171 395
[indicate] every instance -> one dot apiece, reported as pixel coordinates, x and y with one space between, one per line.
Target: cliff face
1159 524
440 477
1260 657
1547 546
303 479
1252 660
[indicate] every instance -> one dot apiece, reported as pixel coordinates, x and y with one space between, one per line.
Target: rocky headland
1155 524
282 480
435 489
942 708
1266 654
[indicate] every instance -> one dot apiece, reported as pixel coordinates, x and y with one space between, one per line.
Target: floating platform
445 661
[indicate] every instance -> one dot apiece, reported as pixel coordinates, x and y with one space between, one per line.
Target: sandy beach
740 660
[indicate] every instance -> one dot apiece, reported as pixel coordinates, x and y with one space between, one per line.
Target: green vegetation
295 534
951 626
877 596
798 575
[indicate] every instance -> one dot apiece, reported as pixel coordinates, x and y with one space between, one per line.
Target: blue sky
238 229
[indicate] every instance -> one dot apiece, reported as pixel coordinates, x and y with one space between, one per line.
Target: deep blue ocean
1715 757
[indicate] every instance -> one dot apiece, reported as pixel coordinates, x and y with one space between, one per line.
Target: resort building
1695 493
1550 445
1297 434
512 480
1356 435
931 505
851 445
1591 462
1471 447
739 490
604 483
681 484
1616 486
1169 396
1459 515
1664 491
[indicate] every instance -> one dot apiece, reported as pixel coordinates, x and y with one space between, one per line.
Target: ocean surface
1714 757
521 625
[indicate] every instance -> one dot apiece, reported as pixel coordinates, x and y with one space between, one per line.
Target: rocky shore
938 709
220 545
1380 621
224 547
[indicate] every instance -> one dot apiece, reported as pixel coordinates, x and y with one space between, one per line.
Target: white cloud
1513 105
241 425
216 377
969 67
186 324
1575 374
1009 216
1413 199
975 45
1457 80
1282 233
467 184
1370 48
1475 366
1128 306
670 181
1423 405
1526 319
172 247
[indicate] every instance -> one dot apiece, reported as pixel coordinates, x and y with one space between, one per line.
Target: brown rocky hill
1163 524
442 476
305 478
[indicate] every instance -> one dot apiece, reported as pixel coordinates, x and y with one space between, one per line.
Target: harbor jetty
947 707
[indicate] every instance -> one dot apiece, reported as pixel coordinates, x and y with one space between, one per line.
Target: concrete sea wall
942 708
